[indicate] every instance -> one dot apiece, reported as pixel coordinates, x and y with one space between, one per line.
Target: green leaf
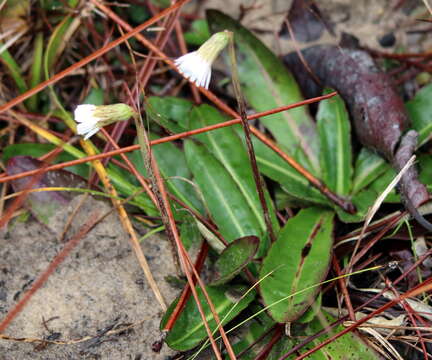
188 331
170 112
14 69
335 131
234 259
267 84
226 203
298 260
95 97
198 34
368 167
380 184
420 112
137 13
173 167
228 148
365 198
252 332
189 232
271 165
127 188
58 40
36 71
425 169
282 347
348 346
362 201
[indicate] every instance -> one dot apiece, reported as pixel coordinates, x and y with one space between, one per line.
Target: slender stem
259 183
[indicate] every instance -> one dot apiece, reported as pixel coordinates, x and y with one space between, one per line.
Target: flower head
196 66
91 118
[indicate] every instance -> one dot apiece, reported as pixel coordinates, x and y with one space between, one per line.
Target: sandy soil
100 285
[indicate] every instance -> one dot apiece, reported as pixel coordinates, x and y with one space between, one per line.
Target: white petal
195 68
87 122
91 133
207 80
83 112
87 129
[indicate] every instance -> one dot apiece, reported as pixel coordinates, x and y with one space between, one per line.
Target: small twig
251 152
5 178
91 57
343 203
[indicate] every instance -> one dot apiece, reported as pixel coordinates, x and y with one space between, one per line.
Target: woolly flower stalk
91 118
196 66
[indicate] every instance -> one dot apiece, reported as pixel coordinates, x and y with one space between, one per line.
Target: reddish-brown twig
4 178
425 286
199 263
343 203
91 57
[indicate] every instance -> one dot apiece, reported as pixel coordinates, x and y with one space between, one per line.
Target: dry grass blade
372 211
170 225
124 218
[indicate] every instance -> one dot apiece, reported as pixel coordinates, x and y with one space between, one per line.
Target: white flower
196 66
87 122
91 118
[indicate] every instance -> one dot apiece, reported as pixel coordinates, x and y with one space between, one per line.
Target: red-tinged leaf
43 205
234 259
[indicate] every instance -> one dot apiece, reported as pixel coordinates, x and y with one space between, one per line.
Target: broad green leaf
298 260
137 13
271 165
173 167
227 147
170 112
368 167
188 331
267 84
380 184
198 34
362 201
420 112
234 259
310 313
335 134
227 205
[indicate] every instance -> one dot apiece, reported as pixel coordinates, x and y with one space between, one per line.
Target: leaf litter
234 210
